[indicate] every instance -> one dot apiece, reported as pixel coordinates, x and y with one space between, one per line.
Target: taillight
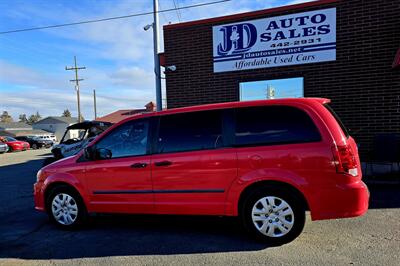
344 159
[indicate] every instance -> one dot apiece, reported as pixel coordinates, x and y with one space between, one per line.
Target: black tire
79 219
10 149
34 146
287 196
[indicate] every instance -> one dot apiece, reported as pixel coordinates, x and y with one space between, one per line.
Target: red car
15 145
266 161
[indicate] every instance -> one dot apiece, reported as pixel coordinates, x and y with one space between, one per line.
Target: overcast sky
118 54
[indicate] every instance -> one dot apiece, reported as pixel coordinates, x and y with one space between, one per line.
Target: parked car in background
265 161
14 145
3 147
35 142
48 137
86 132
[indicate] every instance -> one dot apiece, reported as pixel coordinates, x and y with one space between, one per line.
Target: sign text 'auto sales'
300 38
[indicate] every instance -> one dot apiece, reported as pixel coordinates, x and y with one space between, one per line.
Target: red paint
161 56
16 145
124 178
319 174
249 15
217 169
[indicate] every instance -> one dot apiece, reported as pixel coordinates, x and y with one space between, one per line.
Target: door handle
163 163
139 165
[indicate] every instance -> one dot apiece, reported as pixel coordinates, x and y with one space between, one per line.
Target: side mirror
89 153
102 154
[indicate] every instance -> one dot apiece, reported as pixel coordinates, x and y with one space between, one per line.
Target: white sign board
294 39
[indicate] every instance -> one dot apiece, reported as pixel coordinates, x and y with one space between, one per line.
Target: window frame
233 132
225 134
148 144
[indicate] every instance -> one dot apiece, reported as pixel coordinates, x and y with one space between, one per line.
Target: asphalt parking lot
27 237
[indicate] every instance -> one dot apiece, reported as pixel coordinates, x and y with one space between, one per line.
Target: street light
148 26
157 70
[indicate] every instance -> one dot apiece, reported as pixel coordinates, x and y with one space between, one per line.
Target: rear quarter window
273 125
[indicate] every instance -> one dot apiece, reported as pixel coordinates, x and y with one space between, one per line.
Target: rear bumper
343 201
38 196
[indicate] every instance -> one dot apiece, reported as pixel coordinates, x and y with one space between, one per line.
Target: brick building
360 73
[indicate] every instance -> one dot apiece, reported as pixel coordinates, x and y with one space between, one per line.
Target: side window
190 131
129 139
274 125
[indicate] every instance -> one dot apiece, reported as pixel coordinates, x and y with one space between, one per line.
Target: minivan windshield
342 126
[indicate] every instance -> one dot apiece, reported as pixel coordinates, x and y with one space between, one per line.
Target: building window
271 89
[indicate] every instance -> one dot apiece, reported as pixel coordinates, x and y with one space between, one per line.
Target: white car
48 137
77 137
3 147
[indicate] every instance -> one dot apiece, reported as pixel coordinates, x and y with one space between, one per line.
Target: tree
22 118
34 118
38 116
66 113
6 118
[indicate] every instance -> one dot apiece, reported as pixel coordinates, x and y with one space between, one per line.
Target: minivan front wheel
273 215
65 208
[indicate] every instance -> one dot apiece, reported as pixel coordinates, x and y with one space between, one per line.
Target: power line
165 18
113 18
177 4
177 11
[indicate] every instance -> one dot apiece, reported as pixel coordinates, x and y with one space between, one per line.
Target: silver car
3 147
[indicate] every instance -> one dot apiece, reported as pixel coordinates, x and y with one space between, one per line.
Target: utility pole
95 107
76 80
156 44
270 92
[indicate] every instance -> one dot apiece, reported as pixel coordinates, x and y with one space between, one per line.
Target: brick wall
363 86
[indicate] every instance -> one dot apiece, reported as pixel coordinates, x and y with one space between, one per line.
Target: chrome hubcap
272 216
64 209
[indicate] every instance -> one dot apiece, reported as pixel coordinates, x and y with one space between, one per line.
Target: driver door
122 183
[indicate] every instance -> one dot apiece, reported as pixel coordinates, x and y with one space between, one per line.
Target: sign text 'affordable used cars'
300 38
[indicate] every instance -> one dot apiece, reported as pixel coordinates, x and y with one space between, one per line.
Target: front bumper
38 196
343 201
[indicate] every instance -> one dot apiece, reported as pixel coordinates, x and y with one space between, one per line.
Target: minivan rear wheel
273 215
65 208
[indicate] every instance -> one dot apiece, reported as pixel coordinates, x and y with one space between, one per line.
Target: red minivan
266 161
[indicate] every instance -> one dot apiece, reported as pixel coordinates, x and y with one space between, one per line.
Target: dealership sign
300 38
